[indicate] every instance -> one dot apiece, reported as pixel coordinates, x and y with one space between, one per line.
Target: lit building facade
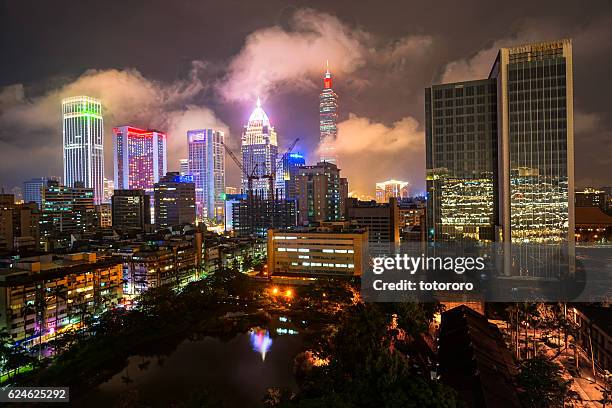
330 250
172 263
286 173
19 225
392 188
461 145
536 139
328 119
139 157
536 157
66 210
206 164
174 198
83 142
131 210
32 189
259 152
42 297
318 193
109 187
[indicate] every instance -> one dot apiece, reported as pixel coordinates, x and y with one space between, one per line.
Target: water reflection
260 341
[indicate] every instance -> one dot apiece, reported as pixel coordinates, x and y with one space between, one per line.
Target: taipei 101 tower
328 119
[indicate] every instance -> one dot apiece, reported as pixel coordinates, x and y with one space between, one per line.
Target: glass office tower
461 145
536 154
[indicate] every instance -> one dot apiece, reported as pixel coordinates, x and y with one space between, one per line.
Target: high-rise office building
66 210
139 158
32 189
392 188
536 142
259 152
206 164
131 210
174 201
318 193
461 144
536 157
328 119
83 141
500 158
285 174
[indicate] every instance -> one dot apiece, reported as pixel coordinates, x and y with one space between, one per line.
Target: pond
238 371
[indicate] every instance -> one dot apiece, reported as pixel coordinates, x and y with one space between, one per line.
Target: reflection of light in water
260 341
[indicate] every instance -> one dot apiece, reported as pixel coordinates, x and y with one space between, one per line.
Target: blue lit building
33 189
174 201
286 173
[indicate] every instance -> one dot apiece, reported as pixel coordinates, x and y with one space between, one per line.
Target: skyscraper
536 156
536 142
206 164
139 157
392 188
500 157
259 152
461 144
318 193
174 201
83 140
328 119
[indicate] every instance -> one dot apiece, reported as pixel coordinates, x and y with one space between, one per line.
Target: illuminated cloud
31 126
274 56
371 152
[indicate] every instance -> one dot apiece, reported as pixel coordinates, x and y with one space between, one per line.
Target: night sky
181 64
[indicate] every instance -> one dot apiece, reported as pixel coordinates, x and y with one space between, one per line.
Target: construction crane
248 176
271 177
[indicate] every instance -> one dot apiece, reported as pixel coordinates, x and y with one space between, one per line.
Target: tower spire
327 66
258 102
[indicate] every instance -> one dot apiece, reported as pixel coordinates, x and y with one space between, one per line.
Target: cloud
30 127
478 65
370 152
274 56
293 55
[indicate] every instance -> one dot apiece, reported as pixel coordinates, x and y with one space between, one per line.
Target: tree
541 383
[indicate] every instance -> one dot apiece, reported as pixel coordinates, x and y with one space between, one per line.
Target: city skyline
382 88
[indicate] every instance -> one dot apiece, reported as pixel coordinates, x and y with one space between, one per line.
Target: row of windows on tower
465 91
519 72
481 100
